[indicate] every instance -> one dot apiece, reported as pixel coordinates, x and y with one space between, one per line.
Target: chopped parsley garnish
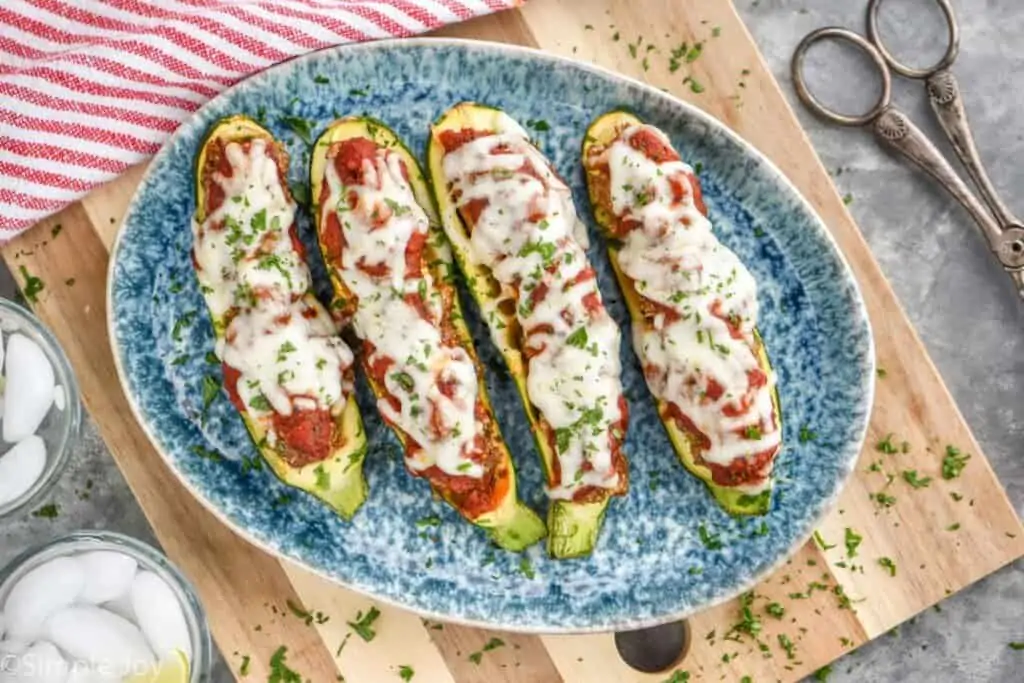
279 671
206 453
886 446
776 610
284 350
211 387
539 125
563 435
911 477
953 527
243 670
211 358
300 126
50 511
852 540
881 372
397 209
884 499
887 564
695 86
320 79
545 249
33 285
711 541
678 677
748 624
953 463
821 541
260 402
578 338
359 92
847 199
306 615
1016 646
406 672
181 323
786 644
526 567
752 432
807 435
823 673
180 360
363 625
323 478
429 520
404 380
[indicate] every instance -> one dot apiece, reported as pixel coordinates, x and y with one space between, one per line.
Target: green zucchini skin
510 524
337 481
604 129
573 528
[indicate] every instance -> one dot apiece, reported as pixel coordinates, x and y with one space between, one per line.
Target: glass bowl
149 559
60 428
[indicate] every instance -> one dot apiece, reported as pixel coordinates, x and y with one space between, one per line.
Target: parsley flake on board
912 478
853 540
953 463
363 625
406 672
821 541
710 540
300 126
50 511
887 564
279 671
33 285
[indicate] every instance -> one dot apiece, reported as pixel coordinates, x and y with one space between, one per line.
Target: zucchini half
573 527
510 523
338 480
603 131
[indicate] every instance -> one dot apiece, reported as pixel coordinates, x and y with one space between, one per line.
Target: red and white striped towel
90 87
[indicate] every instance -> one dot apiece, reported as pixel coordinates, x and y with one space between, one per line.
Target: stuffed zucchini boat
694 310
285 369
392 273
518 241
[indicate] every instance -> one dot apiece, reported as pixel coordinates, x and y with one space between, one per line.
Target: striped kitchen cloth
90 87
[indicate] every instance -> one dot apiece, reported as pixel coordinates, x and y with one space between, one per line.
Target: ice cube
160 616
21 467
42 591
41 663
59 399
12 646
29 390
108 575
100 638
122 607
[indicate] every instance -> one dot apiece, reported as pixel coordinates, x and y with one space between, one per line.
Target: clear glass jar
60 429
149 559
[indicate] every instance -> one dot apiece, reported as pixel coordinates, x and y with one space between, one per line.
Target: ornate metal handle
895 130
944 96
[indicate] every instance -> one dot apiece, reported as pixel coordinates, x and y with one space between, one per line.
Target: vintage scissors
1004 232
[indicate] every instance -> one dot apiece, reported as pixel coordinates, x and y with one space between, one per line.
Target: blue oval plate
403 547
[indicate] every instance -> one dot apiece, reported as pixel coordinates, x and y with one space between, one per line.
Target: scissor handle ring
953 49
813 103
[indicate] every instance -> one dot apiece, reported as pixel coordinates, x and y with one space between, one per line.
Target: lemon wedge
173 669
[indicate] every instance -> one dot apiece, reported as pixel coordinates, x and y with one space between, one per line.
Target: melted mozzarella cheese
377 230
676 261
529 236
279 337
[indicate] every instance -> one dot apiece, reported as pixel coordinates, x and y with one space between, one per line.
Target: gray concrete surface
959 300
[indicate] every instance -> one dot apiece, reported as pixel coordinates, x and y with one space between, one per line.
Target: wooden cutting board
939 538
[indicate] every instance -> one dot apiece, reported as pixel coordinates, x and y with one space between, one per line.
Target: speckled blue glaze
649 564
